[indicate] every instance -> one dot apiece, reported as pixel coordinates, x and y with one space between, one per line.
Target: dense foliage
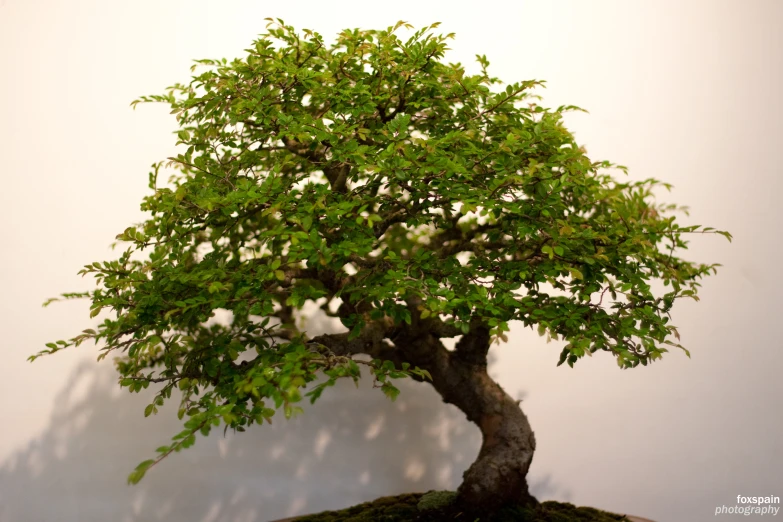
388 188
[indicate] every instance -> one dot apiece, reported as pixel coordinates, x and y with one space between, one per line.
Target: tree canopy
392 190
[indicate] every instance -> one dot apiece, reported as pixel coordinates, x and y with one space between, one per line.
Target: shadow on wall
353 445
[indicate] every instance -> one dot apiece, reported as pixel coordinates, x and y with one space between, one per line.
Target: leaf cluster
386 186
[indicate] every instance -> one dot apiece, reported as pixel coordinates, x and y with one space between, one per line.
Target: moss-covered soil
436 507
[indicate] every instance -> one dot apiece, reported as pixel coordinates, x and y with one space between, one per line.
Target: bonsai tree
410 200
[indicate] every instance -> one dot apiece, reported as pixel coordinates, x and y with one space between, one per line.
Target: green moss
436 506
558 512
384 509
436 500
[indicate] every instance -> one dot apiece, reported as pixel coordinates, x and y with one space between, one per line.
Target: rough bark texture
498 476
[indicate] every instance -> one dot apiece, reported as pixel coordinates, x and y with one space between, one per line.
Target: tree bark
498 477
499 474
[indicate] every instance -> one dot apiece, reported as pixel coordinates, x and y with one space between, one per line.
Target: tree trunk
498 476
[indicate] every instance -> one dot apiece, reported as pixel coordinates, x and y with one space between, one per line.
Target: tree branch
338 176
440 329
474 346
370 342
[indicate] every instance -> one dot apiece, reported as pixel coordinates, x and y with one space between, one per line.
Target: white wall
687 92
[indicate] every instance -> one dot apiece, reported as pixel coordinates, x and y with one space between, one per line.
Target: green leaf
390 391
563 356
136 476
140 471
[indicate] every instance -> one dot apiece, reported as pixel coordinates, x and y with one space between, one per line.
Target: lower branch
371 342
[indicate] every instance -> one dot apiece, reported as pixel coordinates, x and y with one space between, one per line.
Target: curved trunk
498 476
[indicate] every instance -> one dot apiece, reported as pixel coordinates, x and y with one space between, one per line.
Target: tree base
437 507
